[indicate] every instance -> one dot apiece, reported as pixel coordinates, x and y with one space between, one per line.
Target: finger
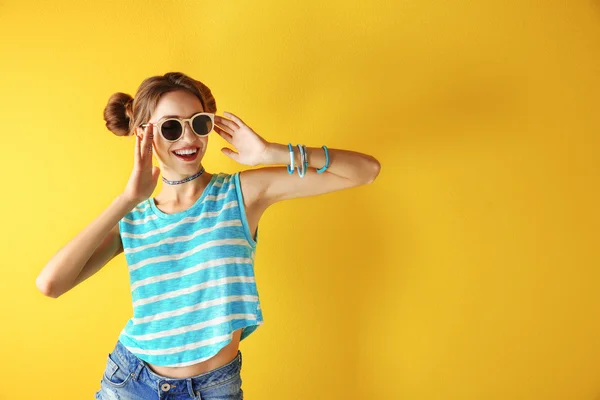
233 117
147 144
136 149
225 129
150 141
230 153
228 123
224 134
143 145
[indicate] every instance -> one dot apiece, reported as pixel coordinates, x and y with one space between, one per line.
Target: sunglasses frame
182 121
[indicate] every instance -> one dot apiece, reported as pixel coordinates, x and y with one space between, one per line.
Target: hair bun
118 114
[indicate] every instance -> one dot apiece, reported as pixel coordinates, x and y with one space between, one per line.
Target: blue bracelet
320 171
305 158
303 162
290 168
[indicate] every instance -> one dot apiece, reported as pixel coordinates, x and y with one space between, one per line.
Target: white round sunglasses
171 128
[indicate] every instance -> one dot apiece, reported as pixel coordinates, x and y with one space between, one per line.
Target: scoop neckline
188 210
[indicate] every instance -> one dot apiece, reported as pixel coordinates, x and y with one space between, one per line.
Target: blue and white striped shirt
191 275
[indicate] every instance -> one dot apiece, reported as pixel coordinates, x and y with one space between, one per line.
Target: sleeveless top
191 275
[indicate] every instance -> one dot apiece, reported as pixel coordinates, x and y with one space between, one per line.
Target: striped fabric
191 275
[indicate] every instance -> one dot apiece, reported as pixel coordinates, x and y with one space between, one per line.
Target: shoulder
248 182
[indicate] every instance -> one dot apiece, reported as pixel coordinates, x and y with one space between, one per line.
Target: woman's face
181 104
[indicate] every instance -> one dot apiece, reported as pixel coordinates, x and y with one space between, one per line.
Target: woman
190 250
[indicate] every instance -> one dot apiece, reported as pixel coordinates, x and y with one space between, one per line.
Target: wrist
128 200
276 154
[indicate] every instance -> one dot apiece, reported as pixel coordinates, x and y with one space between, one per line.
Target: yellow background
468 270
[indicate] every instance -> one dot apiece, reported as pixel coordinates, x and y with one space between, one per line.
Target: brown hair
123 113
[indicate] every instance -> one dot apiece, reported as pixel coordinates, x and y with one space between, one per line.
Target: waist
224 356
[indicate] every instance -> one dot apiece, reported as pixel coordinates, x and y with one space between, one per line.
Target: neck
186 192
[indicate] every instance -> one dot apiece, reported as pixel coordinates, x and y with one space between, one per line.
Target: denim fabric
126 377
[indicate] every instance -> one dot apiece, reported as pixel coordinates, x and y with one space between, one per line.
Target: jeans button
165 387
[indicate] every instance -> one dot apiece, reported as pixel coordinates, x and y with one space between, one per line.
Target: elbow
45 287
375 169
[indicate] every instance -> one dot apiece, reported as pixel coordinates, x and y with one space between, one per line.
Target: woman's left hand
251 148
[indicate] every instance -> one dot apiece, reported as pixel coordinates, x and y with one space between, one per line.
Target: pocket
116 374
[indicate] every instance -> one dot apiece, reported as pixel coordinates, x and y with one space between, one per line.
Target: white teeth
183 152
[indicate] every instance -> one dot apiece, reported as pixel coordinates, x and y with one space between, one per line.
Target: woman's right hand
144 176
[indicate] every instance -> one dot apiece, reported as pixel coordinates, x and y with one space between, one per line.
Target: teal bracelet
305 158
303 162
290 168
320 171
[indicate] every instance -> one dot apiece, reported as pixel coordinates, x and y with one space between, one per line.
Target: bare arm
345 169
87 252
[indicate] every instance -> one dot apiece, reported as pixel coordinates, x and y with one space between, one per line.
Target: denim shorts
126 377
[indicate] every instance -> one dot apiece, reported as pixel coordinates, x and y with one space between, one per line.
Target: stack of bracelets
304 160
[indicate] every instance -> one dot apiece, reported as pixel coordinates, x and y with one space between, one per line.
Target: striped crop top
191 275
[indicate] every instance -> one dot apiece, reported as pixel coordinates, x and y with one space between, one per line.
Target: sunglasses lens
202 124
171 129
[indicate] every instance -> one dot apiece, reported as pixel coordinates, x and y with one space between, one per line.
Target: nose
187 130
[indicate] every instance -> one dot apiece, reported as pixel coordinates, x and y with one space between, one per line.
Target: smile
187 155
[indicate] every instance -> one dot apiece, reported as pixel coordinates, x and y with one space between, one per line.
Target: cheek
157 147
205 143
157 151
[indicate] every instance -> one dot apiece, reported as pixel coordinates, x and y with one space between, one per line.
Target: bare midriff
224 356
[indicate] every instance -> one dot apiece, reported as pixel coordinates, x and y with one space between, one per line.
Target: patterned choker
189 178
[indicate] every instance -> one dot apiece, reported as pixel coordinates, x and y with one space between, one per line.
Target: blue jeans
126 377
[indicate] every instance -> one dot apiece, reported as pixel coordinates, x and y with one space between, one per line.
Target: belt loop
190 386
137 370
